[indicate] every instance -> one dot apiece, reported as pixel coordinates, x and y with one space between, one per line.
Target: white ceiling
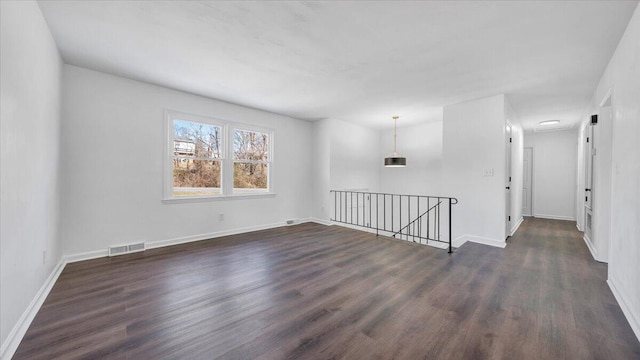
357 61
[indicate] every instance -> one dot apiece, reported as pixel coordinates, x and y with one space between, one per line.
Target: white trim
317 221
555 217
199 237
592 249
590 246
605 98
632 318
579 227
89 255
191 199
12 341
359 228
517 225
461 240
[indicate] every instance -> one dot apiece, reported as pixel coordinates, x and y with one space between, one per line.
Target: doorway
527 181
588 182
508 181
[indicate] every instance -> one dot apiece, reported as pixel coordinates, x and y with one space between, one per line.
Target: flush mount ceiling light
395 159
549 122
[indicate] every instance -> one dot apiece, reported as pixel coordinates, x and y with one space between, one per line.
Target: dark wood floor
317 292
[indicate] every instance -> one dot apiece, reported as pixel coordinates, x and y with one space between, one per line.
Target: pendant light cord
395 134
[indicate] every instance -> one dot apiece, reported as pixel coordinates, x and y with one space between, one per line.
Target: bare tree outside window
197 159
251 161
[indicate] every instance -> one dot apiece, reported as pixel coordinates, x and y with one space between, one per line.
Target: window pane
250 177
196 177
196 139
250 145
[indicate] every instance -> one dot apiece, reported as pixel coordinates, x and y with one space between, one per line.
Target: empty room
319 179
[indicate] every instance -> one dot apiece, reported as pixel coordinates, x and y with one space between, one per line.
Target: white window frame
246 127
226 158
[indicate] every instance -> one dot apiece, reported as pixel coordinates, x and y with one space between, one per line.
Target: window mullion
227 168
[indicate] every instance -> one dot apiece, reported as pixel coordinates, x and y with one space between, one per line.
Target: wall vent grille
136 247
117 250
125 249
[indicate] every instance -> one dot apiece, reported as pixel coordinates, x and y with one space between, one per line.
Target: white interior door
527 180
588 182
508 181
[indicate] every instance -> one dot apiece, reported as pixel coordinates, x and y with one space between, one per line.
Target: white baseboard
318 221
176 241
578 227
12 342
199 237
361 228
632 318
515 228
592 249
86 256
478 240
555 217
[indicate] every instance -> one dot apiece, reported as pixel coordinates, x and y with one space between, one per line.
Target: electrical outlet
221 217
44 257
487 172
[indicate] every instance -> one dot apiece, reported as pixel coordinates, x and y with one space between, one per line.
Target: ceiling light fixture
549 122
395 159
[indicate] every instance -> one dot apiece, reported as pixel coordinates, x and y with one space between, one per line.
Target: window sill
191 199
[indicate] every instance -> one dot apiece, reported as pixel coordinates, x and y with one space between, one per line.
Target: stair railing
396 215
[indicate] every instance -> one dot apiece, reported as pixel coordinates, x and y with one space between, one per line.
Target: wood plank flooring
317 292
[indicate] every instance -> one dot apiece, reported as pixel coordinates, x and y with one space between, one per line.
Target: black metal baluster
419 221
409 211
377 213
357 208
369 197
400 216
438 221
391 221
450 251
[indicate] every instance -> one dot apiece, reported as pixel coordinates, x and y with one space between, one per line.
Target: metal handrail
399 232
383 212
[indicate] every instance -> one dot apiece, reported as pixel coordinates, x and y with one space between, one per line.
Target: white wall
474 141
354 156
345 157
422 146
321 170
622 79
517 175
554 173
112 193
29 202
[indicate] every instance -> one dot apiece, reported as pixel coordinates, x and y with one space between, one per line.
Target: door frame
531 165
508 177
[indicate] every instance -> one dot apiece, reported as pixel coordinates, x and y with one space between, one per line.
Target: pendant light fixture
395 159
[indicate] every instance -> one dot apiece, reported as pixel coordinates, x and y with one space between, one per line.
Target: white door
508 181
527 169
588 182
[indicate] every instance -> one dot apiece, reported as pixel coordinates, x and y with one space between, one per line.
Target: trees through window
199 165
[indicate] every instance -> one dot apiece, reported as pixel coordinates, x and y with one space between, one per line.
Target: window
198 165
250 161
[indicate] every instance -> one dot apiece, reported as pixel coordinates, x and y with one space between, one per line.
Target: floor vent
125 249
